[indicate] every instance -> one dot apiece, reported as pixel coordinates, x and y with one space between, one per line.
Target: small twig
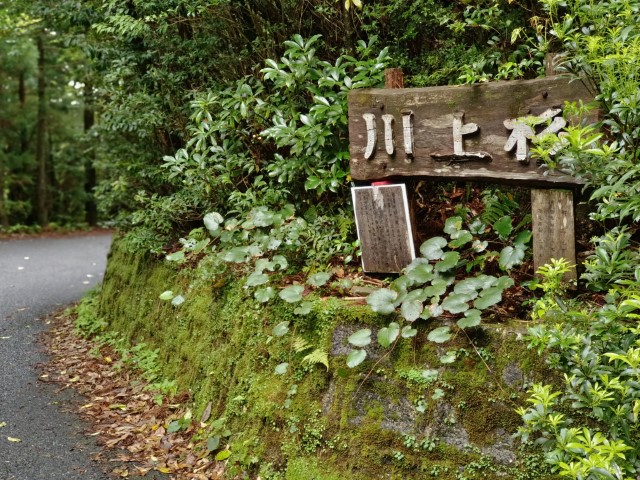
477 352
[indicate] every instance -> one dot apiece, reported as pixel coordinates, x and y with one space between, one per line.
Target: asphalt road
38 276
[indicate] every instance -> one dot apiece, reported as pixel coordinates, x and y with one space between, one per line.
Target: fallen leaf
3 424
15 440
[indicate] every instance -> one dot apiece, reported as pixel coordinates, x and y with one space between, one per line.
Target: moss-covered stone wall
384 419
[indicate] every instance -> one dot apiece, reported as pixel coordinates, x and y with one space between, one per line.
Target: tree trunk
42 213
22 97
4 217
90 207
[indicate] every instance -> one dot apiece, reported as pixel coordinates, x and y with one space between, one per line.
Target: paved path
37 276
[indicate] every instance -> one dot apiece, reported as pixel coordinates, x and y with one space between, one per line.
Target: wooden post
393 78
553 221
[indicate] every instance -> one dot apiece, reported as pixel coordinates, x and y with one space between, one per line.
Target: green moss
310 422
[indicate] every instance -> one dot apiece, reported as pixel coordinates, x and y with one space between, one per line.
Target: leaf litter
123 412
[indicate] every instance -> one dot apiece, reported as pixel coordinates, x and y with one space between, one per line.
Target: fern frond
318 356
300 345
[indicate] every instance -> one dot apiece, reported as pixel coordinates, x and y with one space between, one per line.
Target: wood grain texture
487 105
553 228
382 220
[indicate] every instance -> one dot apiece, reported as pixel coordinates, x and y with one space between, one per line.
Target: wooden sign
467 132
384 228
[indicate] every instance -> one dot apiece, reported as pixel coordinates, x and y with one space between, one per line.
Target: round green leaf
503 227
382 301
468 286
449 357
488 297
176 257
280 329
511 256
452 225
438 393
292 293
263 295
235 255
471 319
280 261
449 261
432 248
361 338
319 279
437 288
282 368
456 303
411 310
479 246
166 295
212 221
408 332
522 238
213 443
421 273
304 308
355 358
256 279
477 227
177 300
440 335
223 455
388 335
504 282
460 238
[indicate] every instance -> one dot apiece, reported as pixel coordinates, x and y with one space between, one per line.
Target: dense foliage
219 132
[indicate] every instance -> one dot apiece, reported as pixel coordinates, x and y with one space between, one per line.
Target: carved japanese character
523 129
459 153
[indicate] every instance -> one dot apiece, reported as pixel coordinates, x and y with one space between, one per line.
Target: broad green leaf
479 246
382 300
235 255
486 281
166 295
223 455
411 309
361 338
176 257
511 256
488 297
388 335
471 319
421 273
319 279
213 443
417 294
468 286
449 357
437 288
452 225
460 238
281 368
504 282
212 221
408 332
432 248
438 393
430 374
503 227
256 279
440 335
432 311
477 226
292 293
280 261
456 303
449 261
263 264
304 308
173 427
280 329
355 358
177 300
522 238
263 295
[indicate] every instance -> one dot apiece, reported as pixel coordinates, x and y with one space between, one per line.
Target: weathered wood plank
480 113
384 230
553 228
